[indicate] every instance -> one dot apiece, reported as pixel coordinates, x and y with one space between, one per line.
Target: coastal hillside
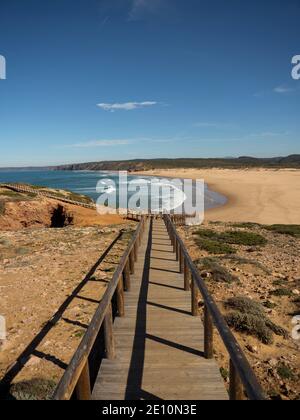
30 209
252 271
292 161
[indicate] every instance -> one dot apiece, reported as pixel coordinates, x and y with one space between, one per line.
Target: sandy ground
254 195
48 300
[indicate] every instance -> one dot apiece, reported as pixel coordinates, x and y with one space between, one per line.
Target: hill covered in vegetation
292 161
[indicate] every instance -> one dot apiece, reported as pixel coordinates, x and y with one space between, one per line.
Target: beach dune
254 195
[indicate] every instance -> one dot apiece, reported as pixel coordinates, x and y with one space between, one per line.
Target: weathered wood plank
159 345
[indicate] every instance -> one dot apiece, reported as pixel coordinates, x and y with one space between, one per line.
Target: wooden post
109 335
195 308
174 243
83 387
181 260
208 335
177 250
120 298
135 251
187 286
236 391
126 276
131 262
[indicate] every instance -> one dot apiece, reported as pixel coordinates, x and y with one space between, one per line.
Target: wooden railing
242 376
177 219
77 375
36 191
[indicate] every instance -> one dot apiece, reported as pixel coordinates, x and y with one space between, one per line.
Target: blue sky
120 79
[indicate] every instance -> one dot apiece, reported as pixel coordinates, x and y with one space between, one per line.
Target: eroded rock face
35 213
60 217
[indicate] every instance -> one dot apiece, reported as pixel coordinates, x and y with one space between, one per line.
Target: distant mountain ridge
292 161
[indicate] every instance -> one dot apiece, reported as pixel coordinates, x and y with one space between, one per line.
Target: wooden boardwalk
159 345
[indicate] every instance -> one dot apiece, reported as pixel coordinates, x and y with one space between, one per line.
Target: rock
206 275
296 292
252 349
252 249
273 362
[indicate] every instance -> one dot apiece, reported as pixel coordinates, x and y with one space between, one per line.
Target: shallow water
84 182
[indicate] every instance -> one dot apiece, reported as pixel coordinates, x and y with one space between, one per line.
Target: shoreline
265 196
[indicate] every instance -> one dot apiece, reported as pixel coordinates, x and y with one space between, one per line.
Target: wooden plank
159 345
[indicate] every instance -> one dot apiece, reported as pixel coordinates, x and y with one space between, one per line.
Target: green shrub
245 305
292 230
278 282
219 243
219 274
206 233
285 372
249 317
246 225
250 324
269 304
281 292
34 389
276 329
224 373
243 238
214 247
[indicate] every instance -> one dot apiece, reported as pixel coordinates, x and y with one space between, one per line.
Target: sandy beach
255 195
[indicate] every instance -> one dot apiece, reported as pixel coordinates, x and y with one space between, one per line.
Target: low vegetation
285 372
245 225
220 243
246 261
243 238
35 389
249 317
292 230
214 247
218 273
282 292
57 193
292 161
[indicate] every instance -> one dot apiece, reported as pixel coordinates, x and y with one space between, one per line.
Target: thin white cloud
127 106
282 89
100 143
214 125
267 134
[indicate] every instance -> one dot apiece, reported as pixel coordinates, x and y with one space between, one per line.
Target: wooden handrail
241 373
25 189
76 376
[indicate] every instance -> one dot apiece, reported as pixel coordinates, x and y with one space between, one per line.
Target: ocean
85 182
